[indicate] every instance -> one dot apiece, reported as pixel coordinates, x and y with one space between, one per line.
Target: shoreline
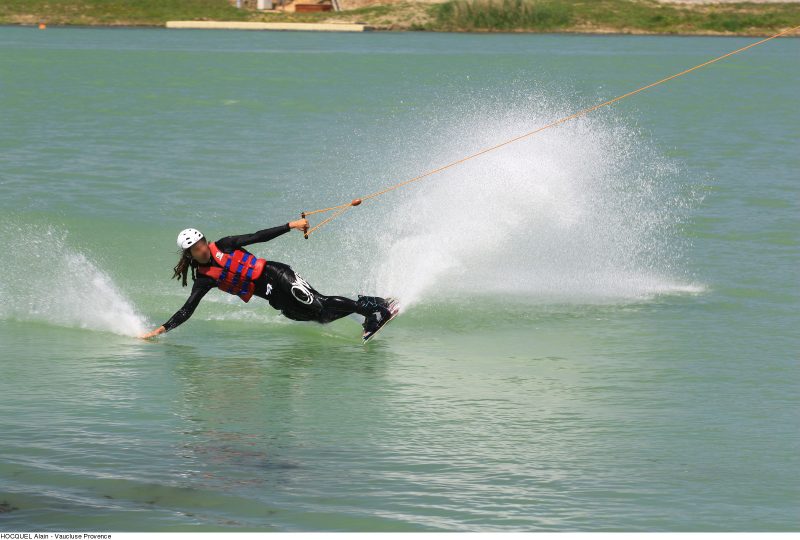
599 17
307 27
269 26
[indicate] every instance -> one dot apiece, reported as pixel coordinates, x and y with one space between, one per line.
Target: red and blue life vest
236 271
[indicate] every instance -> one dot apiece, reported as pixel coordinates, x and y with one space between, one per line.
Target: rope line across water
342 208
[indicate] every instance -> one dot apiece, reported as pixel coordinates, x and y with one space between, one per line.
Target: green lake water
600 325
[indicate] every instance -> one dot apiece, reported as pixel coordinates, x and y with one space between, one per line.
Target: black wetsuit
279 285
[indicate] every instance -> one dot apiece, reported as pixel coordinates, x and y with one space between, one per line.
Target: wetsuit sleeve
230 243
199 289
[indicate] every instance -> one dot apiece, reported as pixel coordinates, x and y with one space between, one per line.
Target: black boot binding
379 312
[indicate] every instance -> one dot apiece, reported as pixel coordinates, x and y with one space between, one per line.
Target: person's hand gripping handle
301 224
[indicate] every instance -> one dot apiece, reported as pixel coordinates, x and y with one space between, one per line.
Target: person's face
201 252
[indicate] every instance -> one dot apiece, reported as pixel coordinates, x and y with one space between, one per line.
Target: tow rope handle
307 231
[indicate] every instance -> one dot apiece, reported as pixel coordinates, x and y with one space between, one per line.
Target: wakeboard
394 308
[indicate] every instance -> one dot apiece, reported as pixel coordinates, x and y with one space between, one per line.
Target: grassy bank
621 16
642 16
115 12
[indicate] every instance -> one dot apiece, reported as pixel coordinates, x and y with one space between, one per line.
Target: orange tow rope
342 208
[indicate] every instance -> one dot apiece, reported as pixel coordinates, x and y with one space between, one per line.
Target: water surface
600 325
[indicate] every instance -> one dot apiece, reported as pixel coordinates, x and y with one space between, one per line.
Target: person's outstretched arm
265 235
199 290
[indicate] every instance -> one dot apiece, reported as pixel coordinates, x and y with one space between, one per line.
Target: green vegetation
400 16
157 12
635 16
625 16
116 12
506 15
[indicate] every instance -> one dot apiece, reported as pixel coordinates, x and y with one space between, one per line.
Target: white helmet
188 237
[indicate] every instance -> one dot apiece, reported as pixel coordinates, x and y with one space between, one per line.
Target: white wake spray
53 282
586 212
